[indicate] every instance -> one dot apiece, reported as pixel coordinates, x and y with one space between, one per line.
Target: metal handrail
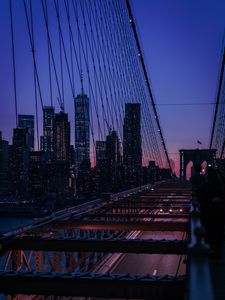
77 209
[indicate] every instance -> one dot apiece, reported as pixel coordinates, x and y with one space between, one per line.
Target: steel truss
94 285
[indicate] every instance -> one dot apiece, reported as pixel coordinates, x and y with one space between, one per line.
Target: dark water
8 224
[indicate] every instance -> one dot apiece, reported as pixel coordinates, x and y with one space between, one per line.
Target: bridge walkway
216 266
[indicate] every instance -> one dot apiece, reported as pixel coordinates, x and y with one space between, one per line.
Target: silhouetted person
197 180
212 203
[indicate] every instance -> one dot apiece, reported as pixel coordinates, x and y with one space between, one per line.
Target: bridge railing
133 191
78 209
200 282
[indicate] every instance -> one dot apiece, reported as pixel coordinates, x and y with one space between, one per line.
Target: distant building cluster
61 169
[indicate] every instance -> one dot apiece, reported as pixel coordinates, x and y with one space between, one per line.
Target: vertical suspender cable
71 53
14 63
33 52
60 50
51 50
49 58
218 100
35 79
138 79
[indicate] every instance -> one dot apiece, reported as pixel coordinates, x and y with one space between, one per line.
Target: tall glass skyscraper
47 139
27 121
132 153
20 161
61 140
100 153
82 129
4 166
113 161
61 146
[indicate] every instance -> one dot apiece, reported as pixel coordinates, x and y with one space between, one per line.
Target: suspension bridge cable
93 148
154 143
49 60
106 33
45 15
147 80
62 43
135 80
14 62
129 64
35 79
71 52
115 72
98 20
33 51
56 3
100 79
77 63
86 60
146 109
104 117
217 99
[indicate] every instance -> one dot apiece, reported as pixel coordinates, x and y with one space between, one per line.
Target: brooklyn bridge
107 210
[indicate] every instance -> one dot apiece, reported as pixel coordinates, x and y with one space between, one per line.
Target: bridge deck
146 223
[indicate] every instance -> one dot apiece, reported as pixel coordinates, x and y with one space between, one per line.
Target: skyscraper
61 137
100 153
113 161
152 171
4 166
36 173
20 161
61 147
132 153
47 139
82 129
100 170
27 121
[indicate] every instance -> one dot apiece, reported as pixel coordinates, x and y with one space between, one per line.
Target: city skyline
51 118
106 112
109 83
60 168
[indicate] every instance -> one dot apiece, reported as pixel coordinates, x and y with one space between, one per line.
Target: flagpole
198 143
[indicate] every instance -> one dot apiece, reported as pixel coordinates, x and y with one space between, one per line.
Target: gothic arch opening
189 170
204 166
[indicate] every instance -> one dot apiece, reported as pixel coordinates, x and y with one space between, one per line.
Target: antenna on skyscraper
109 127
61 104
82 86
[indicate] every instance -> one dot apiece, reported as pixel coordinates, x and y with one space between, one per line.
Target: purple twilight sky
181 42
